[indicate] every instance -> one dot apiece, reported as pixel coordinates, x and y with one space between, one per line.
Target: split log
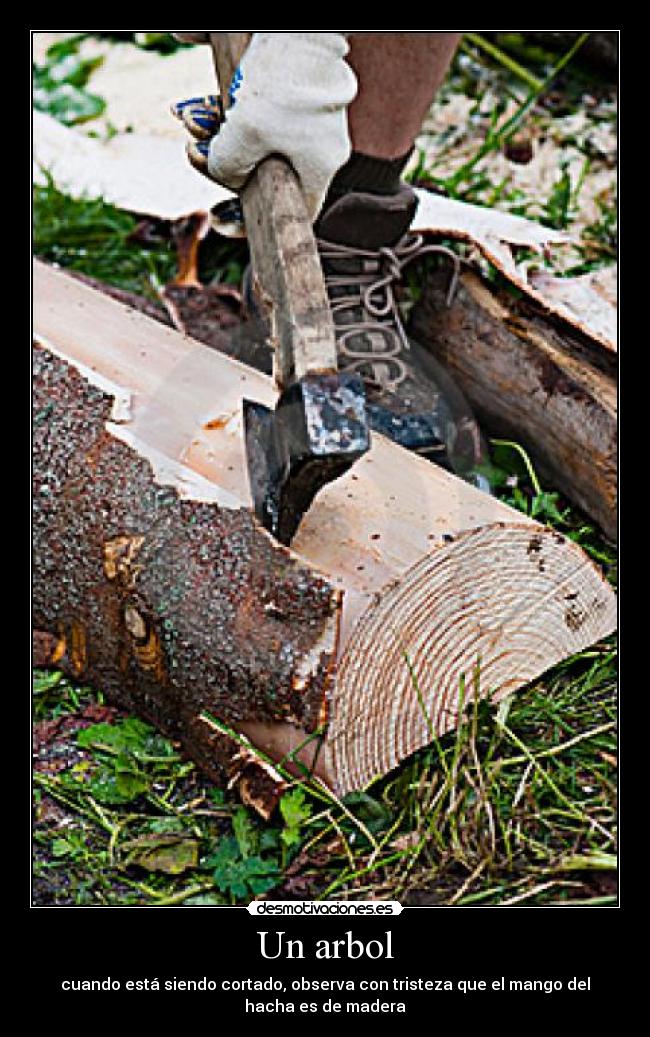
163 590
531 377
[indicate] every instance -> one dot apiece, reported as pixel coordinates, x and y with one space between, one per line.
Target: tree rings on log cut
156 584
477 618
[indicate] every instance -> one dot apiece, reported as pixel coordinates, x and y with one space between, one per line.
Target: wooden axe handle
228 49
285 259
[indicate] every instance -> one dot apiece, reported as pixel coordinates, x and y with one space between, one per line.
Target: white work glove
291 94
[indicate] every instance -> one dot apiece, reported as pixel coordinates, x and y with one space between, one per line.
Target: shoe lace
370 287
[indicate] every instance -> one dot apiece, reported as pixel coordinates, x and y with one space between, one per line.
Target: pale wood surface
429 568
388 511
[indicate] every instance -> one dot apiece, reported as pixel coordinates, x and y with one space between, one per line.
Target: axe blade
318 429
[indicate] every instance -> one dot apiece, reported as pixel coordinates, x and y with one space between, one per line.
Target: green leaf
58 85
598 860
519 500
240 877
165 826
68 104
72 70
365 807
131 736
545 506
44 683
557 207
61 848
258 884
295 812
129 732
116 788
64 48
171 854
375 816
163 42
269 839
130 781
226 850
245 833
294 808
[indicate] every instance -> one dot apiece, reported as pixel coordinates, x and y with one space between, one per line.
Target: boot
365 245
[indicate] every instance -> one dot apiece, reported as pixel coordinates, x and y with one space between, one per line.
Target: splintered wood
156 584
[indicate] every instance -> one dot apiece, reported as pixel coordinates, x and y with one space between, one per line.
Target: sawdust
138 85
584 143
142 173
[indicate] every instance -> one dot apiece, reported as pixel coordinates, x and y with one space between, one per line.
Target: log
162 589
533 378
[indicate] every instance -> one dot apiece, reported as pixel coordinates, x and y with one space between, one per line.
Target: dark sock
369 175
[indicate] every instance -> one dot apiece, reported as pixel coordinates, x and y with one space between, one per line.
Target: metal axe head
316 432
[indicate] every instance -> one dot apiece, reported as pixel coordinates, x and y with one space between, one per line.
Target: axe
319 426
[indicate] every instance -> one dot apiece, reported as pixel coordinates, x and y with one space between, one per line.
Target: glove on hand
291 93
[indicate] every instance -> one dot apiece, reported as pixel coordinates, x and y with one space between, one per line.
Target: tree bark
161 589
534 379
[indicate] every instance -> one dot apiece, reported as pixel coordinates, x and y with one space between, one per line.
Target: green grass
59 84
545 86
95 238
499 133
517 806
91 236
